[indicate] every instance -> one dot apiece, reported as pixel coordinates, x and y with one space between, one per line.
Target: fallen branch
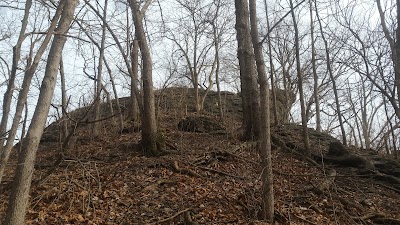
378 218
391 188
188 219
304 220
219 172
172 217
189 172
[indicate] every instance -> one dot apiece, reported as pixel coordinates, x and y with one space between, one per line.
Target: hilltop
212 178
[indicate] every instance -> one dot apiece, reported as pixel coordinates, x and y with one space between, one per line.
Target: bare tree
148 116
332 78
314 70
10 87
64 104
394 44
195 47
99 82
271 65
300 84
22 181
23 93
248 78
217 40
265 132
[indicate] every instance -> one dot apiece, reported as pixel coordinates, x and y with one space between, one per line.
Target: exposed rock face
200 124
284 102
180 98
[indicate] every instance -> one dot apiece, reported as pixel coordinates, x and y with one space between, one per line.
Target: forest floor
212 178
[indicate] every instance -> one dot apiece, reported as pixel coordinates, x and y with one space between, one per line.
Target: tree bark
99 83
314 69
216 46
300 85
10 86
22 181
135 79
120 117
271 65
23 93
248 77
332 78
265 132
395 51
64 125
149 123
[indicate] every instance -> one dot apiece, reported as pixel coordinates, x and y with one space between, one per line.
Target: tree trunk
221 111
22 181
271 65
10 86
392 129
120 118
149 123
64 125
248 79
99 83
300 84
23 93
265 132
315 75
335 91
136 98
216 46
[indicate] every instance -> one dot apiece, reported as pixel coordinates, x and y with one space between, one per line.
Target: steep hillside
212 178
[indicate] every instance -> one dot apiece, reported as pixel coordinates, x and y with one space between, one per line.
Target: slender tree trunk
22 181
314 69
216 46
197 103
265 133
248 77
271 65
134 81
110 104
23 93
395 50
124 55
10 86
149 123
353 108
210 85
64 125
286 89
300 84
335 91
120 118
99 83
394 137
221 111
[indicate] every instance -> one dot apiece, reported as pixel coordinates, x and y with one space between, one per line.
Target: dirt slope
211 179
